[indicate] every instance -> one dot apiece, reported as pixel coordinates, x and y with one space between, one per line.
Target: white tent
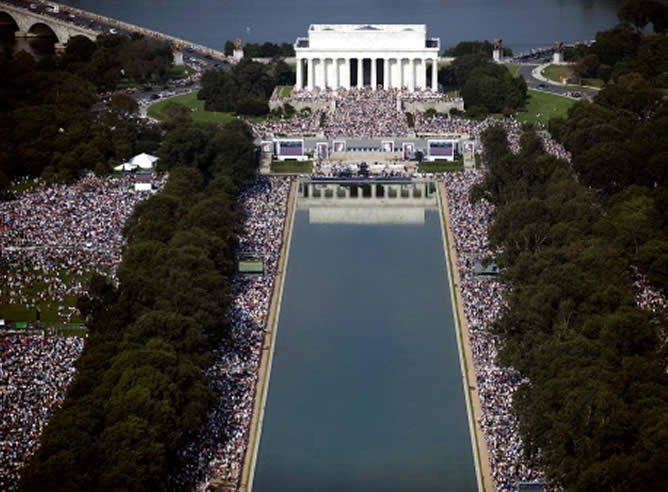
126 166
144 161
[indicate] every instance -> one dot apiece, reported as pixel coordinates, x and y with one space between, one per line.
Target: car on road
542 86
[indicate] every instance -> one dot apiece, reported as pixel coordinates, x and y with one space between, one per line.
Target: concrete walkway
264 372
481 452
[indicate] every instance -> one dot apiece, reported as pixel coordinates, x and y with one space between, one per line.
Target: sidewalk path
481 453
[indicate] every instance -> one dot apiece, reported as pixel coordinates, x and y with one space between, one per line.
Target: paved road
535 84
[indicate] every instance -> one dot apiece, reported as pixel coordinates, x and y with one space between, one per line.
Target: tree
639 13
123 104
229 48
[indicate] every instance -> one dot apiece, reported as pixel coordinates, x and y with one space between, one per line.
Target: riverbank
264 371
474 410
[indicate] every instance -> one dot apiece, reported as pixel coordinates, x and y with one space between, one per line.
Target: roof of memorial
368 27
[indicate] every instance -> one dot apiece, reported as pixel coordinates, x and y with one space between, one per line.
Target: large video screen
441 148
290 147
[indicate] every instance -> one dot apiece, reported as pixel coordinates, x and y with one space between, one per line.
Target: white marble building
373 55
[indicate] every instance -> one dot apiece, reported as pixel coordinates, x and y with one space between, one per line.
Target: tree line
244 89
264 50
475 48
570 238
626 49
485 86
140 394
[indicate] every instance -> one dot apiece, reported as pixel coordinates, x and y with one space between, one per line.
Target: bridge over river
39 19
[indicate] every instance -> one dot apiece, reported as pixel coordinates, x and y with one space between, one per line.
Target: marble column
411 75
325 70
386 73
299 81
346 73
360 73
421 74
320 73
337 73
309 74
374 74
434 74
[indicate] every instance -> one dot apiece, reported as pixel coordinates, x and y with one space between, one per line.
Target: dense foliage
569 238
475 48
47 126
624 49
485 86
140 392
620 149
264 50
114 57
246 88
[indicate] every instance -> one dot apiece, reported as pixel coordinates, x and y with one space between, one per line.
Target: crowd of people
338 169
367 113
364 113
647 297
52 236
218 453
483 300
441 124
34 374
359 112
301 124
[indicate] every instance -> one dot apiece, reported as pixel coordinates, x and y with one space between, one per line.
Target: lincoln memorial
367 55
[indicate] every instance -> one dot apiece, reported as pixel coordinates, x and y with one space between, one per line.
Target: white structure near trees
360 55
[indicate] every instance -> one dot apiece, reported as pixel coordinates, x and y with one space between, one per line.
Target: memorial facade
367 55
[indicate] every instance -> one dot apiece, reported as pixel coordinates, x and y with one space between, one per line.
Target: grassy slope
554 72
292 167
195 105
441 166
284 90
542 106
513 69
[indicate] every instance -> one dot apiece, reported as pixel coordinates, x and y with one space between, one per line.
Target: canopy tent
125 167
144 161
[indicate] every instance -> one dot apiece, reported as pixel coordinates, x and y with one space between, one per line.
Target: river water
366 389
521 24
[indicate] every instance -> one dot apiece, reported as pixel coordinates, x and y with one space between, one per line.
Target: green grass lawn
541 107
49 307
71 330
554 72
284 90
441 166
24 186
513 69
196 107
17 312
593 82
180 71
292 167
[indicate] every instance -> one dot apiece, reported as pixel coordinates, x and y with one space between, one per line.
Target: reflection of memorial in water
367 201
